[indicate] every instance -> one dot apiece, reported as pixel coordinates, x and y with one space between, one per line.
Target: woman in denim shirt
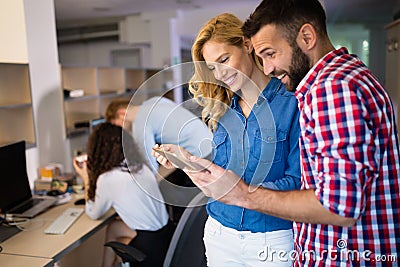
254 120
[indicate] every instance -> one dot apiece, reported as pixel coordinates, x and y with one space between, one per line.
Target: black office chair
186 247
177 194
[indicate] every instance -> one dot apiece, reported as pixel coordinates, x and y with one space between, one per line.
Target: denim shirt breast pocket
221 148
269 145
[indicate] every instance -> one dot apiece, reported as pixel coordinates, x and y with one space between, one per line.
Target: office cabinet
111 80
98 86
393 64
16 113
156 82
82 108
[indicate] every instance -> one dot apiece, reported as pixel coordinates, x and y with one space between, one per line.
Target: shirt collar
309 79
235 102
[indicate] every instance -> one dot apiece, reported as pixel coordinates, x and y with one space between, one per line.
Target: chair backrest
147 249
177 195
186 247
176 247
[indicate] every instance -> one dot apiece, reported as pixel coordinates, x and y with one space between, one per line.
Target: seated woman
116 176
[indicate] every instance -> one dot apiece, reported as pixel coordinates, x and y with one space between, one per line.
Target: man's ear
247 45
307 37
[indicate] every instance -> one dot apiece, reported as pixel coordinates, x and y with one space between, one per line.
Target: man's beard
299 67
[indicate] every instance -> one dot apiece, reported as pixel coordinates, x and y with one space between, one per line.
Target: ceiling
68 11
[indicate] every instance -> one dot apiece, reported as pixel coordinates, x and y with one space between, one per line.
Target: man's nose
268 68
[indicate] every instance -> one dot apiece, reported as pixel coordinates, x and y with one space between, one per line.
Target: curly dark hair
110 146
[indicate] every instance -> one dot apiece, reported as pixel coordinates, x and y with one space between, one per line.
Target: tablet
180 161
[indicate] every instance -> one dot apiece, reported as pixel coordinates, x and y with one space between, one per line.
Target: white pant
229 247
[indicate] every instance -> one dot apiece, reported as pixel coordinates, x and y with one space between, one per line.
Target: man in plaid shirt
347 211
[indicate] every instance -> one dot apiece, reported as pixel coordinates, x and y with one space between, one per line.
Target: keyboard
64 221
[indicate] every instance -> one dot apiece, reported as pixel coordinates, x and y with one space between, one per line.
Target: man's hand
218 183
296 205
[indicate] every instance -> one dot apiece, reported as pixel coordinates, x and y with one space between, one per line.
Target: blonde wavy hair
208 92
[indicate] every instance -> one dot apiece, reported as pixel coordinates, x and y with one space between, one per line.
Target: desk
34 243
19 260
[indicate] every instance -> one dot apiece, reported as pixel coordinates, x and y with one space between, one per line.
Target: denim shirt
263 150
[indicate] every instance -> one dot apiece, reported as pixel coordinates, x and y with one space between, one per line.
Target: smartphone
180 161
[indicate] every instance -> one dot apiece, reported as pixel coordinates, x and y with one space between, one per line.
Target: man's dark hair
288 16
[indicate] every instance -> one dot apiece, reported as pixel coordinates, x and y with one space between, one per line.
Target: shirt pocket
220 148
267 141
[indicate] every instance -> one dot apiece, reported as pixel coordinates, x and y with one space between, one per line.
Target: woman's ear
247 45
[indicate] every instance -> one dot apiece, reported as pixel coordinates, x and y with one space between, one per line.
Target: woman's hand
218 183
160 158
81 169
169 148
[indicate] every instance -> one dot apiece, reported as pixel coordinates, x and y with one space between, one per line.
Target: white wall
13 47
190 22
95 53
160 31
45 83
153 29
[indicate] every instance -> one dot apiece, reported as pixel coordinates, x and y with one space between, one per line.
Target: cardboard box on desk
51 177
50 171
47 185
42 184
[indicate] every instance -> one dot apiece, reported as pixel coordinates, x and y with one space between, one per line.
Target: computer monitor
14 182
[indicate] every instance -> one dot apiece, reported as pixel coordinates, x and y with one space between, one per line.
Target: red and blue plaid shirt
350 156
